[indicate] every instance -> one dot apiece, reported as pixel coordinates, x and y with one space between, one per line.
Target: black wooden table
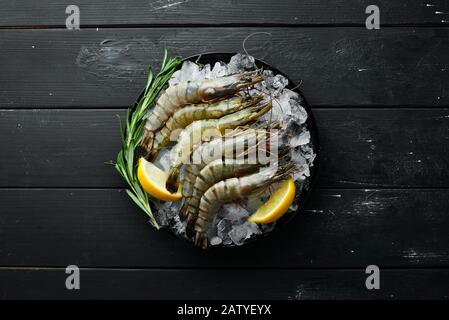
380 98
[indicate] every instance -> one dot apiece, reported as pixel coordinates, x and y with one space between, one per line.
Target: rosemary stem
126 164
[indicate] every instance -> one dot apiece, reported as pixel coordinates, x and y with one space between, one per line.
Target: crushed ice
230 226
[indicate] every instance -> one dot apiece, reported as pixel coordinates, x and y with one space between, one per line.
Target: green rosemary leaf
136 200
164 61
131 134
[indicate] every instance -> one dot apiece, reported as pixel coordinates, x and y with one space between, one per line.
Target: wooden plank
384 147
360 147
337 66
35 283
339 228
163 12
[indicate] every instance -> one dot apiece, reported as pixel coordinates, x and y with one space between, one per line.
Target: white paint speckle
362 69
97 29
168 4
439 12
32 47
315 211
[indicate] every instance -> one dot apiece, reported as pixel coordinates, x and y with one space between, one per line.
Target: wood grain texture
339 228
337 66
360 148
35 283
163 12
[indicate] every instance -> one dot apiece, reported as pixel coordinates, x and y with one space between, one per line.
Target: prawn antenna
251 35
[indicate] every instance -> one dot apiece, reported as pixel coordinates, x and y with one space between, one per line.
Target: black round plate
211 58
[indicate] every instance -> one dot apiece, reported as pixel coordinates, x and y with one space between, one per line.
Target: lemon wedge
280 200
152 179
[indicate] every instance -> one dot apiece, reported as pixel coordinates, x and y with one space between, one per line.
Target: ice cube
299 140
238 234
302 165
205 72
234 211
267 227
189 71
223 227
174 78
268 81
244 231
308 153
299 114
163 159
178 226
219 70
215 241
253 228
166 212
284 103
279 82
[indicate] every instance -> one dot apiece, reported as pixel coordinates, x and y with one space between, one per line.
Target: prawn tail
190 224
173 180
147 140
183 212
201 239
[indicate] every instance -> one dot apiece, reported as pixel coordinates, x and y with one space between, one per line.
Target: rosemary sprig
131 132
